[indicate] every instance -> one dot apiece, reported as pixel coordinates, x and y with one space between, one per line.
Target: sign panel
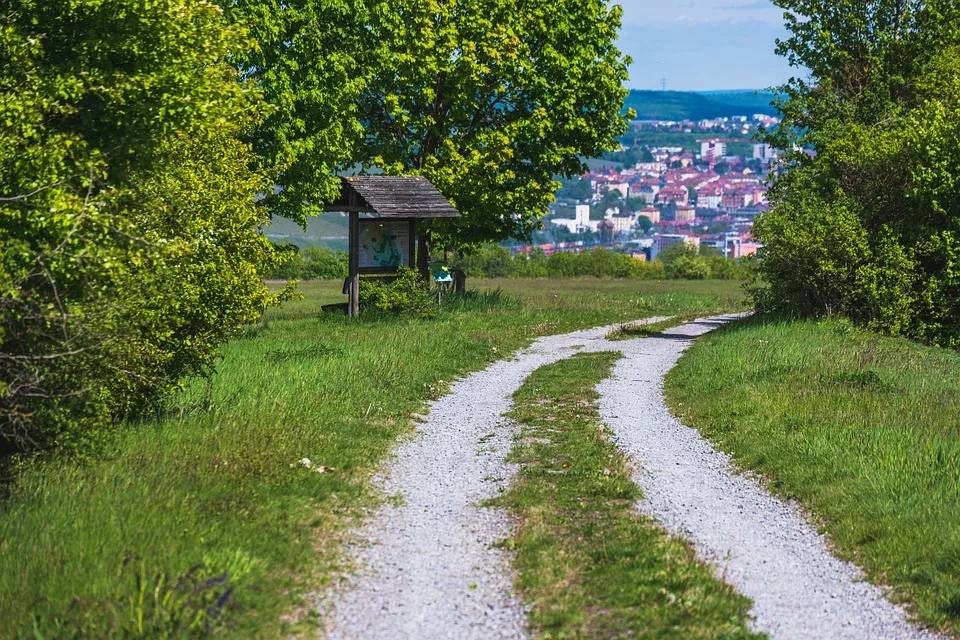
384 244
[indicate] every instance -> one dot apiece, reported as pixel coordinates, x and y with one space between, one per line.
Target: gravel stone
765 548
429 569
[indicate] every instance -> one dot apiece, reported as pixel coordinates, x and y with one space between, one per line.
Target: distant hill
682 105
327 230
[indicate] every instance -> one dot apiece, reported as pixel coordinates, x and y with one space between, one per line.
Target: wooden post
412 258
353 303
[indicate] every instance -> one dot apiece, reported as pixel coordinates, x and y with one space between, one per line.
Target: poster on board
384 244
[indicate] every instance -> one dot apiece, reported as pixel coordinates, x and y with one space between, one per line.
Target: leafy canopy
490 99
870 226
128 248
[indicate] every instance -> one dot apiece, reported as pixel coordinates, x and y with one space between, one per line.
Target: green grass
864 431
589 563
208 507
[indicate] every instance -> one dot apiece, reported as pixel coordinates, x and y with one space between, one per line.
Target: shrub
406 293
311 263
687 268
128 242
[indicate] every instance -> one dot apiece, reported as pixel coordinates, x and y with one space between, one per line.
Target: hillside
682 105
328 230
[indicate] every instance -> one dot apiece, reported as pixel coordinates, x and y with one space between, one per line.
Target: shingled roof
393 197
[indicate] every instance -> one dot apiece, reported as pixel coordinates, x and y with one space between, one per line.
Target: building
581 223
674 194
737 198
652 213
764 153
710 197
663 242
685 213
621 187
712 151
647 193
623 222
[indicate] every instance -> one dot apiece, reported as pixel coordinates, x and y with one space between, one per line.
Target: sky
703 45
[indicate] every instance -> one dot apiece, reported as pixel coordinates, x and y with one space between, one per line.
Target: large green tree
490 99
310 59
868 225
128 248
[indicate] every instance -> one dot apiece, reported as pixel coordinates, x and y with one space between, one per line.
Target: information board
384 244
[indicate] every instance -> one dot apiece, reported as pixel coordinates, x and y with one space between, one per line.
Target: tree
490 99
311 61
128 247
574 189
644 224
869 227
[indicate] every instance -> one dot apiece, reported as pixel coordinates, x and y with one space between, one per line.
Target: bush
406 293
687 268
869 227
311 263
128 242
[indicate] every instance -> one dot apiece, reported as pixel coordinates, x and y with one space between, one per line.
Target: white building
713 151
581 223
764 153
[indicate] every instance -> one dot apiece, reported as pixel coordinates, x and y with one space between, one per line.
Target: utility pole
663 83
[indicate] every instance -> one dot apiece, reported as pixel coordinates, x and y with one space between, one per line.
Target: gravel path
428 566
430 571
763 547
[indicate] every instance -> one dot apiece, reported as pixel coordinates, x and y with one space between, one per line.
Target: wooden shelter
384 211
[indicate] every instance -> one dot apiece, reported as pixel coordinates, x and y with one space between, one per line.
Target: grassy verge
204 520
588 562
863 430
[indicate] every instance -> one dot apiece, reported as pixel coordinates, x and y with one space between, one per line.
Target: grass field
587 561
204 520
864 431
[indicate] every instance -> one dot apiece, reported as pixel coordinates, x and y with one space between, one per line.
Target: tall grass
206 520
863 430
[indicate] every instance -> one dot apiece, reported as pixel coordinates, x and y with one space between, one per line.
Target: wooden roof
393 197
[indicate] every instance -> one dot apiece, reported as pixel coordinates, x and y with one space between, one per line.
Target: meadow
862 430
221 513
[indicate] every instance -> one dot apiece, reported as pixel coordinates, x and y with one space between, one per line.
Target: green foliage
862 430
687 268
682 262
870 228
490 100
127 224
494 261
310 263
311 60
682 105
575 188
404 293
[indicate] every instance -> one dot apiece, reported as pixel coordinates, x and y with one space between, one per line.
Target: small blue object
440 273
